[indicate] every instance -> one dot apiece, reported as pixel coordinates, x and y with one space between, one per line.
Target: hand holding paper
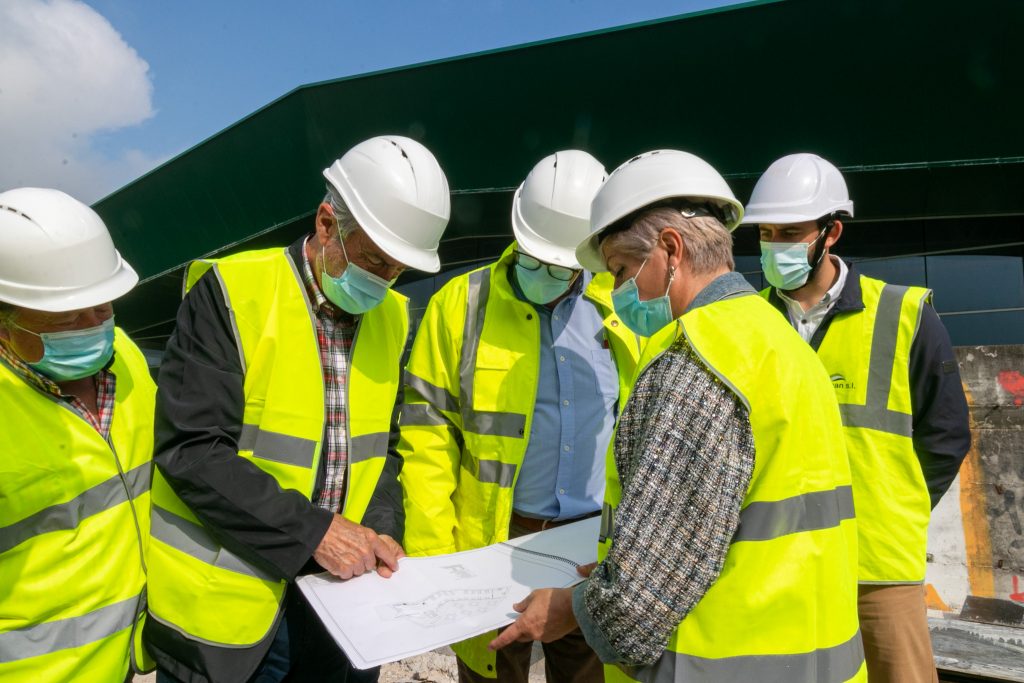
349 549
546 616
439 600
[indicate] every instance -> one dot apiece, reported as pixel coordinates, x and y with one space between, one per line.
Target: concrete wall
976 540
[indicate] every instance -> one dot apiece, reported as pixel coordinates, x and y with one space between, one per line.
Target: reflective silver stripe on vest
277 447
231 313
195 541
765 520
53 636
826 665
875 414
366 446
607 523
68 515
490 471
438 397
487 423
422 415
884 420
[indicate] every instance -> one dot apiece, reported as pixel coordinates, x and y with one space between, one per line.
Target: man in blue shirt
512 392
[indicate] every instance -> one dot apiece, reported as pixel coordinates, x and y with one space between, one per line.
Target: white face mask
75 354
642 317
785 264
356 290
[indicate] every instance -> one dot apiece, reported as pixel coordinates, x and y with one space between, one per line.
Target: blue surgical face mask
643 317
539 286
356 290
785 264
75 354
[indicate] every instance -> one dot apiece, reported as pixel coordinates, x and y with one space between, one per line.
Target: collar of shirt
321 304
28 374
816 312
724 286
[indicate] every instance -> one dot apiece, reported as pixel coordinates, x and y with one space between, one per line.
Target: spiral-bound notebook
435 601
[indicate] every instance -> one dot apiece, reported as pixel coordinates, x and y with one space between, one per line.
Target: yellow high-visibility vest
74 529
471 386
784 607
867 355
201 589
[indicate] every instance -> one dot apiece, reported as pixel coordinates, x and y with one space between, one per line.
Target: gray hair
346 221
708 243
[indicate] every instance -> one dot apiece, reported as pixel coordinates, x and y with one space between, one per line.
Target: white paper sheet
435 601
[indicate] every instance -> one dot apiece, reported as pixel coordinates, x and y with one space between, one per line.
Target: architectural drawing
444 607
442 599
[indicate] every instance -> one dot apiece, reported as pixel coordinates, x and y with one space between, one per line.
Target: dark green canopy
918 102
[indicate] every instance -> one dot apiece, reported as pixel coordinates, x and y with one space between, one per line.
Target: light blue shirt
562 476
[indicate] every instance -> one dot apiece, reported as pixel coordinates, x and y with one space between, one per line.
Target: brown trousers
894 625
567 660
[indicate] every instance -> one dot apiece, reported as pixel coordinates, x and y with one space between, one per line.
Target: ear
326 224
834 234
672 242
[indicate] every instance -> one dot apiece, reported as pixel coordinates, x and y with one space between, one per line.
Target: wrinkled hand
349 549
585 570
394 547
546 616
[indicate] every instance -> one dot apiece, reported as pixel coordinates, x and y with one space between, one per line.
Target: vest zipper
131 501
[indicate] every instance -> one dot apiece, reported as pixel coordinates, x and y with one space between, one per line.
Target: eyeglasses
373 260
558 272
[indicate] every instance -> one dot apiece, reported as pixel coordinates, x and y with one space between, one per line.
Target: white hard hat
649 178
398 194
56 254
551 209
798 188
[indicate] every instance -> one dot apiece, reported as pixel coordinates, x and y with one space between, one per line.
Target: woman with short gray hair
728 539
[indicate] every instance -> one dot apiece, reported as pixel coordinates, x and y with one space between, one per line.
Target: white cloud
65 75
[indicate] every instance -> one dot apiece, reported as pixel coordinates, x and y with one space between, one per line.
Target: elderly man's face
365 254
20 339
651 275
360 248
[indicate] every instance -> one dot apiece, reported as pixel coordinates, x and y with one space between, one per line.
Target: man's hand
585 570
546 616
349 549
385 568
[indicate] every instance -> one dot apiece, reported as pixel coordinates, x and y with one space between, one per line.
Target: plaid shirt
105 384
335 332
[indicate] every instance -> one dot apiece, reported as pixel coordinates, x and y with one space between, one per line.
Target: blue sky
163 75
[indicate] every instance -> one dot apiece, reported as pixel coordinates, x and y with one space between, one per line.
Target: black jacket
942 433
198 423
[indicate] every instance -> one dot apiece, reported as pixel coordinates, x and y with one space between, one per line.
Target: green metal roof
919 103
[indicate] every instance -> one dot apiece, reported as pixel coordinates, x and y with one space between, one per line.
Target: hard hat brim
411 257
72 299
535 245
755 217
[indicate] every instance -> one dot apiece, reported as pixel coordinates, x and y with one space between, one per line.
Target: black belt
534 524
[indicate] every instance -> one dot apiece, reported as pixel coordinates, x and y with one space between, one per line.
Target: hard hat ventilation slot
16 211
404 155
